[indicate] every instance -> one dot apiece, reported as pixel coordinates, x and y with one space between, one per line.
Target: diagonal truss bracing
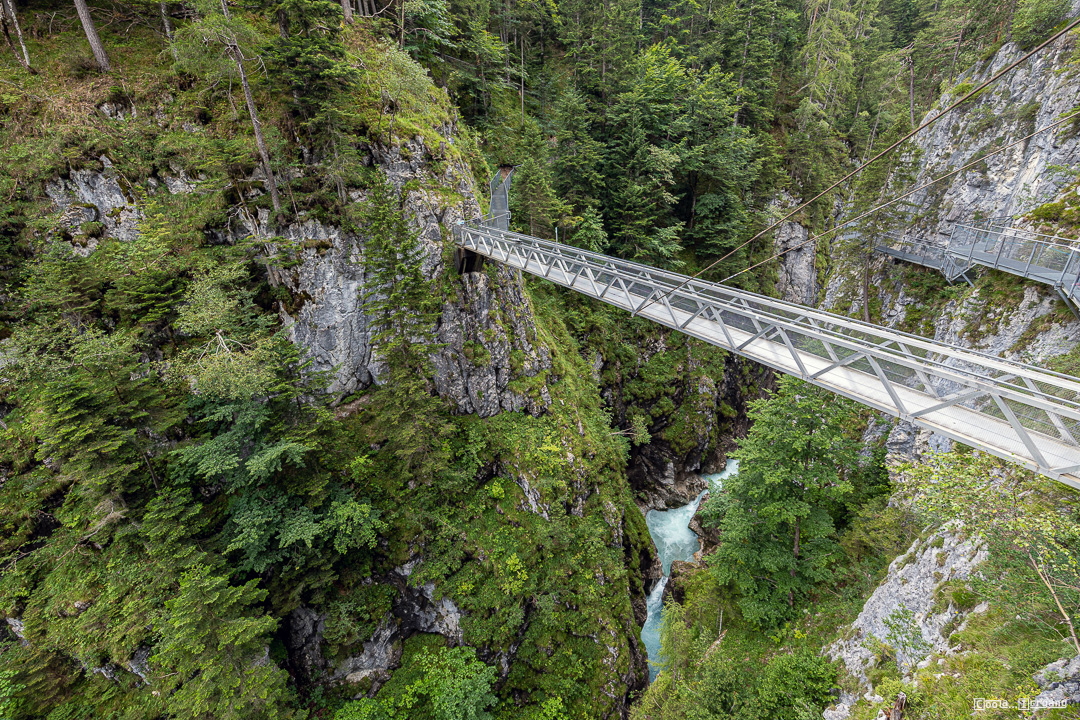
1011 410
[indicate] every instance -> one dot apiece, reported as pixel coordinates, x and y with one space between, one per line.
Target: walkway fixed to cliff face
1046 259
1014 411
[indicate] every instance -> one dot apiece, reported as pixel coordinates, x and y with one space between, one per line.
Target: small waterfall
674 540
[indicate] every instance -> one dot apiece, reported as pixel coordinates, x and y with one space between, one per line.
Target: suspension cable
897 199
872 160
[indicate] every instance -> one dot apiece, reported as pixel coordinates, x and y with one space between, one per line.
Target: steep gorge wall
1003 315
493 355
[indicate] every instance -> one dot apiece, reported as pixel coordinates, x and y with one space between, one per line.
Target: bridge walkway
1014 411
1045 259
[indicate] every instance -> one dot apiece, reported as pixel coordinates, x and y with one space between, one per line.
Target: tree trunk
896 712
956 53
522 90
742 64
271 183
9 5
283 24
1046 581
167 22
911 89
92 36
346 10
866 285
791 593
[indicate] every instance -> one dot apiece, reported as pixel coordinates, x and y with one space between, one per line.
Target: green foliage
715 680
794 684
1029 529
9 700
1034 19
216 661
776 518
534 208
906 638
405 307
444 684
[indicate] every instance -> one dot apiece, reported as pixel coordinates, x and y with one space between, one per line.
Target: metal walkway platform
1016 412
1045 259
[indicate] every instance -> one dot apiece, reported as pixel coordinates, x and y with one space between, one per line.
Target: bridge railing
1016 411
1046 258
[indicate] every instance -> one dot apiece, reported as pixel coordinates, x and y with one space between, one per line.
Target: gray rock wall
484 320
912 585
486 335
1033 95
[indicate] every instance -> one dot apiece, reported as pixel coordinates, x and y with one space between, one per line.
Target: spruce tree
214 651
777 531
403 308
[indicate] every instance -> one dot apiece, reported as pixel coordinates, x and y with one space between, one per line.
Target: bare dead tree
9 18
234 52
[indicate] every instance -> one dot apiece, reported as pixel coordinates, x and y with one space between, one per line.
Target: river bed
674 540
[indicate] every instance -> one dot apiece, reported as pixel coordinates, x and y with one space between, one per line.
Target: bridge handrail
778 307
1010 409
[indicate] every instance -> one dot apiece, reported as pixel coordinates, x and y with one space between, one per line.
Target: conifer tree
403 308
577 157
213 650
217 44
589 232
535 208
776 516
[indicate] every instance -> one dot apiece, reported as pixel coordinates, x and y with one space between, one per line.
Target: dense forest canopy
175 480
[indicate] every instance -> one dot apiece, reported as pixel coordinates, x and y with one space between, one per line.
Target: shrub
791 682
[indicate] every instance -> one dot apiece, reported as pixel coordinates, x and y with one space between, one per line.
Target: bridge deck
1050 260
1011 410
911 257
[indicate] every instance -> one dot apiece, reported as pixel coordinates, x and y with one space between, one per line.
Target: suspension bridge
1017 412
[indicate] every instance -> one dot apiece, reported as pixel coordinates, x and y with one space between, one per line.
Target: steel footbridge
1015 411
1045 259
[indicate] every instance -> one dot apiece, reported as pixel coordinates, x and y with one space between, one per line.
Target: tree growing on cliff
776 517
1029 527
214 650
403 308
219 44
96 46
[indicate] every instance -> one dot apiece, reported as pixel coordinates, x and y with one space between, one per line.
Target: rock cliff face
1032 325
797 281
489 358
696 404
1009 184
485 322
912 595
1032 96
486 335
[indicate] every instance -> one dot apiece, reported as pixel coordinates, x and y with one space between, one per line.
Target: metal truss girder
929 383
740 303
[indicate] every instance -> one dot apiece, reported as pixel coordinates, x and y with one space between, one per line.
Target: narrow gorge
300 417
